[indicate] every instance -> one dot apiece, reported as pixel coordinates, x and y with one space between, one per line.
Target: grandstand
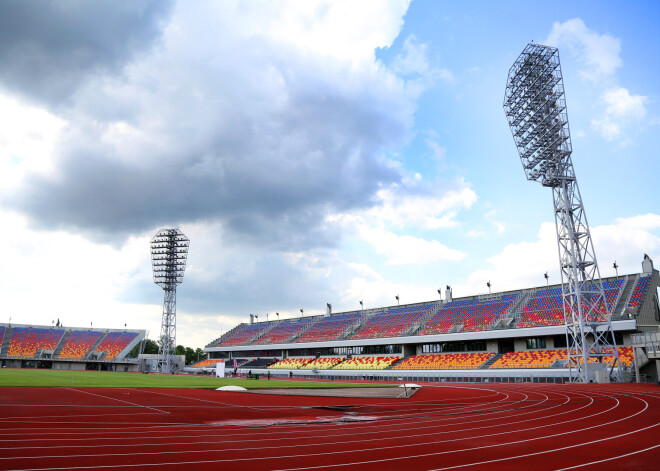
517 333
33 346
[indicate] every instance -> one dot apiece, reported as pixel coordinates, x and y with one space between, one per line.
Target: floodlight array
169 252
535 108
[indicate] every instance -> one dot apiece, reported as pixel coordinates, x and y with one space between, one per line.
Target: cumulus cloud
599 54
523 264
235 118
599 58
48 49
621 110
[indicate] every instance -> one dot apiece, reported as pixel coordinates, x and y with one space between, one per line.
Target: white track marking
280 439
224 449
118 400
609 459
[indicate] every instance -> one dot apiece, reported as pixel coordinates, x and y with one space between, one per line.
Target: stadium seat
445 361
79 343
284 331
242 335
393 323
114 343
25 341
329 328
473 314
291 363
367 363
323 363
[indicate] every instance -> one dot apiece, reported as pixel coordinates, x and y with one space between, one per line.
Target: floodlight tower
535 107
169 251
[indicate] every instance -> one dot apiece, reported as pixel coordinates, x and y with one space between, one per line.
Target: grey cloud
259 137
49 48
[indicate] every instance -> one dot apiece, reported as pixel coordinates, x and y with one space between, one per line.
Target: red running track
448 426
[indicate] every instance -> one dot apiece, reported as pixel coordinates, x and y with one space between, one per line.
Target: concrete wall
61 365
520 344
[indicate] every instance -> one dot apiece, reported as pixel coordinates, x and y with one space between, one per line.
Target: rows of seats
2 333
114 343
546 307
529 359
545 358
329 328
640 291
242 335
206 363
367 363
445 361
256 363
79 343
323 363
284 330
474 314
291 363
25 341
393 323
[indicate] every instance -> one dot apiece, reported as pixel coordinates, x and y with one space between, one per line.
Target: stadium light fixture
362 306
169 253
302 313
547 283
535 107
616 269
278 315
397 300
488 284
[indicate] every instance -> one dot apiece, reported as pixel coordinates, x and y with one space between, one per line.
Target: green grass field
107 379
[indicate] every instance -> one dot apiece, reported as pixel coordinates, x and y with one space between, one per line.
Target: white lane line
118 400
352 441
490 446
609 459
398 458
280 438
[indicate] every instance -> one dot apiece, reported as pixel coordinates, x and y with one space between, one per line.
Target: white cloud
406 249
522 265
598 53
28 139
50 275
344 29
414 64
621 111
364 283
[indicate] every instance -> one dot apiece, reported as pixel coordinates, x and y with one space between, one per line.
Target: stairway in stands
391 367
5 341
511 318
262 333
94 347
350 330
490 361
620 308
309 325
416 328
225 335
61 343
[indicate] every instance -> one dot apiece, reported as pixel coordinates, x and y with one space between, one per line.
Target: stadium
551 377
510 336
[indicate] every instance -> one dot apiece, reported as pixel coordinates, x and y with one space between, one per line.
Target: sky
312 151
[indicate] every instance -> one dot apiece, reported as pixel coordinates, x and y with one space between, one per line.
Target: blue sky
313 152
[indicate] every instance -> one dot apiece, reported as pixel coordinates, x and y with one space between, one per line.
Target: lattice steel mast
169 251
535 108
